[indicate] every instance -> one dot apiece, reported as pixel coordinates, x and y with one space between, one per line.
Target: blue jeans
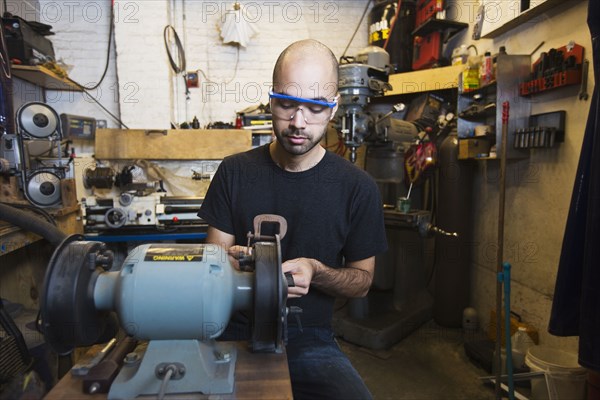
319 369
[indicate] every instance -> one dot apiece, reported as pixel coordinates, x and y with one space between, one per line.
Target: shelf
483 107
482 114
425 80
524 17
43 77
450 28
13 238
480 90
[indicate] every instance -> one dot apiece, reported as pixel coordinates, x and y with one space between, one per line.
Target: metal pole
508 344
500 247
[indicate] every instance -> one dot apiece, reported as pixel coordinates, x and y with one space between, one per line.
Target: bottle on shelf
195 123
239 124
470 76
460 55
486 69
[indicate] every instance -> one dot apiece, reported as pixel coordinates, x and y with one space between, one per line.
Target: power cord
110 34
171 369
117 119
357 28
237 61
178 67
85 89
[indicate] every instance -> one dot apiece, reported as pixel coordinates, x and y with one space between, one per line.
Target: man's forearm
341 282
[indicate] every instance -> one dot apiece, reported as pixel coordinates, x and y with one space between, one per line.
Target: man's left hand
302 271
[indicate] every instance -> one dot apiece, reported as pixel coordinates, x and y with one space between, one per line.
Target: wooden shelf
172 144
13 238
425 80
43 77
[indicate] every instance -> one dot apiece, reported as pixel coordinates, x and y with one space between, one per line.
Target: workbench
257 376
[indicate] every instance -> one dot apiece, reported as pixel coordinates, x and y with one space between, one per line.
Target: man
332 208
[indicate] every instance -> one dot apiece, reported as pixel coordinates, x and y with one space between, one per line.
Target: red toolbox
427 9
427 50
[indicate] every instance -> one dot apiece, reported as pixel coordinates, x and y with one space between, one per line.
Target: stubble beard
298 150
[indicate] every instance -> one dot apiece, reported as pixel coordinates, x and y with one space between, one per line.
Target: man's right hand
236 253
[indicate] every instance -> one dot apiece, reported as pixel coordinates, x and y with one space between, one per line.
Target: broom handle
500 247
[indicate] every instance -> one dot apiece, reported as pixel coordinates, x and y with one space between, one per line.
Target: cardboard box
473 147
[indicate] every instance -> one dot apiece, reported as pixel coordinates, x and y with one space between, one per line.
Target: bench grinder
179 297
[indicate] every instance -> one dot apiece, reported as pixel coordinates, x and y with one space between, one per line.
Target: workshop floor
429 364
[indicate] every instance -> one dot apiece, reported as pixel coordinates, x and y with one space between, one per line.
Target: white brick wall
80 40
139 85
279 24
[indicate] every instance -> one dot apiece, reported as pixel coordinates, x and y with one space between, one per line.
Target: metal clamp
260 219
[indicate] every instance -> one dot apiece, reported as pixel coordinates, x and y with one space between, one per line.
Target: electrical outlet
192 80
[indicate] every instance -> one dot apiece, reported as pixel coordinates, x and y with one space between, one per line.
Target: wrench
583 94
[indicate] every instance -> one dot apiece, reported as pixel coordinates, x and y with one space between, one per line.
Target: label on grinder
175 253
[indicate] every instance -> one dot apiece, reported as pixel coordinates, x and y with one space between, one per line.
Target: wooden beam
182 144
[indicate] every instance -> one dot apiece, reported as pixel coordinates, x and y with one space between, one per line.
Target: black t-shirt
333 212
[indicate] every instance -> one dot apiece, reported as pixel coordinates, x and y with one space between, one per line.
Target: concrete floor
429 364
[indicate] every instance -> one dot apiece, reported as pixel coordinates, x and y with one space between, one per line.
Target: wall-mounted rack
544 131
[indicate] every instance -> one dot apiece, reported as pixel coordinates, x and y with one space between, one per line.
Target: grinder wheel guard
270 313
68 315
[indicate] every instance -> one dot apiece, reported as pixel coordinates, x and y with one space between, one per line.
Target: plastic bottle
239 124
471 74
521 342
487 69
460 55
195 123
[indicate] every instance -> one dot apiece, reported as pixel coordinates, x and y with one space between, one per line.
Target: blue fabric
319 369
576 303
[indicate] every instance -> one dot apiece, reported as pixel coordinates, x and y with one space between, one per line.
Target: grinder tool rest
180 297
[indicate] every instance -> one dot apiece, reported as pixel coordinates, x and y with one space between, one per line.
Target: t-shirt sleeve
367 236
216 206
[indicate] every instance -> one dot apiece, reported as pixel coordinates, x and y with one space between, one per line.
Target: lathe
179 297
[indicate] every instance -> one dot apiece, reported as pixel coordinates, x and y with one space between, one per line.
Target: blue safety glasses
314 111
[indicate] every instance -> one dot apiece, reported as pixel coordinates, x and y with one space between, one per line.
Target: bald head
309 52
